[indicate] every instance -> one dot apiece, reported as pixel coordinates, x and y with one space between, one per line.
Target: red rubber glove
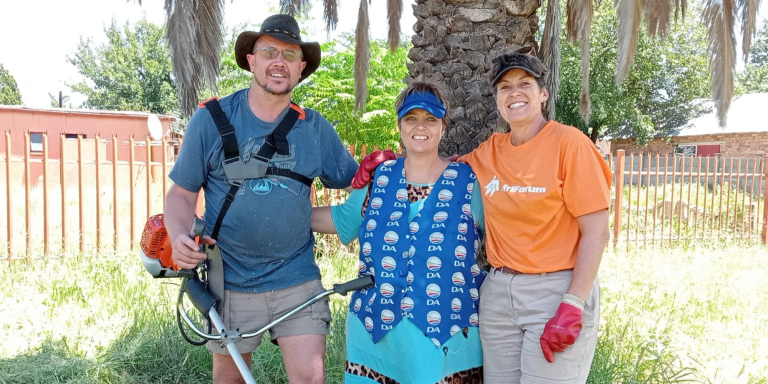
563 329
368 166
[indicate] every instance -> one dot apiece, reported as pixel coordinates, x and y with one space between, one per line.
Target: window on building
73 136
698 149
685 150
35 142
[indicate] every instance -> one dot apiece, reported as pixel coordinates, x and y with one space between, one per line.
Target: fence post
131 165
114 192
618 195
97 160
765 201
165 170
9 193
81 197
200 205
63 183
46 234
27 194
148 168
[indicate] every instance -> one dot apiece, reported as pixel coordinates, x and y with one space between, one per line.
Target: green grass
668 315
694 313
690 213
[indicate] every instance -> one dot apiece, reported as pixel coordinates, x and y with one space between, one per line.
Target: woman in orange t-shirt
546 211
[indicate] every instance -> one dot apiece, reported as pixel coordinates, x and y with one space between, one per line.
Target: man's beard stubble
267 88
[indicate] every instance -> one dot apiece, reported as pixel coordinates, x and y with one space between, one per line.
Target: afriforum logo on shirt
493 186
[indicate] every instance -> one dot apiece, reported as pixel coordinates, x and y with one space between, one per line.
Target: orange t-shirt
533 194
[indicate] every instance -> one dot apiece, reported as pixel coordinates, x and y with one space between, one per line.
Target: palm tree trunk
595 132
454 44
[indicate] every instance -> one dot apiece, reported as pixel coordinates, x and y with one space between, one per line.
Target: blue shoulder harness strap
277 142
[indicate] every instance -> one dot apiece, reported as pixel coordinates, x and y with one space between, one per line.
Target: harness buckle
237 171
227 130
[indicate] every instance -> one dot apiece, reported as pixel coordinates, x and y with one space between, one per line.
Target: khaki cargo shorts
251 311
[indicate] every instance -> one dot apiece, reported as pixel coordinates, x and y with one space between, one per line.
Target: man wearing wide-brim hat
264 235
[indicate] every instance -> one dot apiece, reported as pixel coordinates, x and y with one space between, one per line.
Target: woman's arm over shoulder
322 220
344 219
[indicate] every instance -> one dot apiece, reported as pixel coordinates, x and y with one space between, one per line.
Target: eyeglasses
271 53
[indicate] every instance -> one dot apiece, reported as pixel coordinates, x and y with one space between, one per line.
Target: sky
38 35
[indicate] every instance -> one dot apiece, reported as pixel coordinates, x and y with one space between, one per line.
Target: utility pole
60 100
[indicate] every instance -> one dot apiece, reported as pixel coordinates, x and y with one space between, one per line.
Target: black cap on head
519 59
284 28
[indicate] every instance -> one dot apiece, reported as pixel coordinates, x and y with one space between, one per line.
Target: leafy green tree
754 77
231 77
131 72
9 91
331 91
659 93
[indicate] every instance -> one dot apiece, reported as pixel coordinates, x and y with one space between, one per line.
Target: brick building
745 133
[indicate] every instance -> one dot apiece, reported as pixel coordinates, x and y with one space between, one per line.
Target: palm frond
181 33
209 32
748 12
394 11
550 54
330 14
629 12
657 17
683 7
578 27
719 16
680 7
362 57
293 7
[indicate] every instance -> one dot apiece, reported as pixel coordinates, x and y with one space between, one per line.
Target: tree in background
331 91
456 40
658 95
754 77
132 72
231 77
9 91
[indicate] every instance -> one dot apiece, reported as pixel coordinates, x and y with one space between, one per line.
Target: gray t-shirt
266 240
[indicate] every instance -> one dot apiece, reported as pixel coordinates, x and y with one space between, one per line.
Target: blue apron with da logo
425 270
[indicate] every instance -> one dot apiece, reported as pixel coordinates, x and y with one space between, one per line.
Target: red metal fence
670 199
92 200
87 198
55 207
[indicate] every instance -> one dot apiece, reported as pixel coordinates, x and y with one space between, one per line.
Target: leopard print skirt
468 376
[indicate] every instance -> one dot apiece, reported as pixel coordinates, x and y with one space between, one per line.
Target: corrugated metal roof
84 111
748 113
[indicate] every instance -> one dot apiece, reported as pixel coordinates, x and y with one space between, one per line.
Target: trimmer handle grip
198 231
353 285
